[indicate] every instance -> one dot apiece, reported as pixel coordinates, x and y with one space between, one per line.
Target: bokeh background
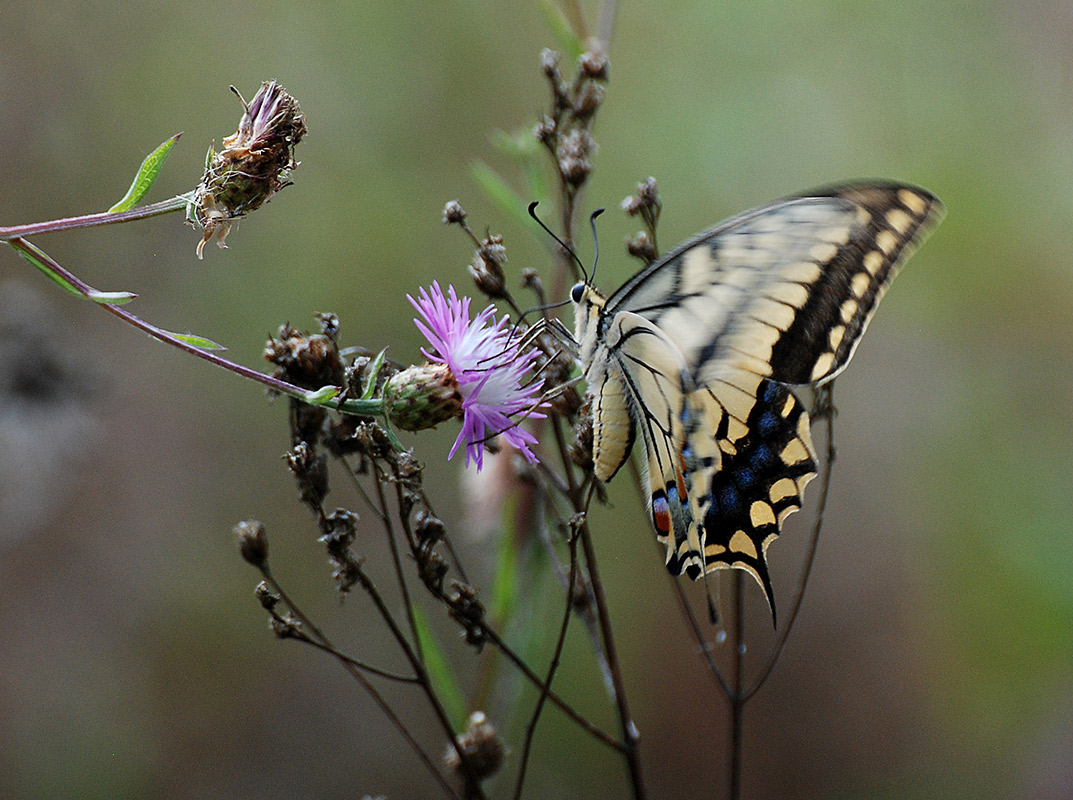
934 653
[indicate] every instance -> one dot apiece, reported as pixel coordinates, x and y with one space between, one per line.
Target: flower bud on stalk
253 165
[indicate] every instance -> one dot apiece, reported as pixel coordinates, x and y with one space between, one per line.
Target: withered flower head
253 165
483 748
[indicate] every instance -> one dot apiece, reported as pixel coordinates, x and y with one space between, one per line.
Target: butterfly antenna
534 309
595 242
561 243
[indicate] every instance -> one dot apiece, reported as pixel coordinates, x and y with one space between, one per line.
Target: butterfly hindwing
748 454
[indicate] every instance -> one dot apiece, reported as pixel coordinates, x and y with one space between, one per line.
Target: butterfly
696 355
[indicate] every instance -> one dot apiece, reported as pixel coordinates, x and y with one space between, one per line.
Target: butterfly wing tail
748 455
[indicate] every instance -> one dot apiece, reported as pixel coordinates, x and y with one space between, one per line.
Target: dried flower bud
468 611
549 62
286 627
487 270
545 131
422 397
266 597
640 246
589 98
453 213
427 527
581 448
311 472
308 360
594 65
253 165
648 192
252 542
573 156
482 747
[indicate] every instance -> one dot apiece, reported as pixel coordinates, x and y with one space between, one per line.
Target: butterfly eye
577 292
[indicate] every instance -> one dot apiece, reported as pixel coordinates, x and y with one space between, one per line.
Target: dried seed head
487 270
427 527
482 746
253 542
640 246
545 131
589 98
453 213
311 472
253 165
581 448
307 360
573 156
594 65
266 597
549 62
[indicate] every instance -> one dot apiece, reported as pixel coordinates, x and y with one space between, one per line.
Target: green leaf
325 394
440 674
568 40
147 173
501 193
373 371
505 579
200 342
110 298
63 283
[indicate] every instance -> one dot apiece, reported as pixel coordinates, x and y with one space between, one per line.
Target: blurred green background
934 654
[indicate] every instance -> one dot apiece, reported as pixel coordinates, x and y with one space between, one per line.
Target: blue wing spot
770 392
728 497
768 423
762 456
745 478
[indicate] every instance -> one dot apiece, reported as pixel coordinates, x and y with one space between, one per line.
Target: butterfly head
588 304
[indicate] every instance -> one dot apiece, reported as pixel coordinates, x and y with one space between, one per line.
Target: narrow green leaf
501 193
324 394
569 42
63 283
110 298
373 371
440 673
147 173
200 342
505 579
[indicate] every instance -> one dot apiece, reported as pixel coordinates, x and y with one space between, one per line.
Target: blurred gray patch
49 393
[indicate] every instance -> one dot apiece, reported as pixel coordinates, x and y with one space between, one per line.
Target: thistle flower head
253 165
485 359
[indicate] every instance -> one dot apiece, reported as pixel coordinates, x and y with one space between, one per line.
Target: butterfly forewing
696 348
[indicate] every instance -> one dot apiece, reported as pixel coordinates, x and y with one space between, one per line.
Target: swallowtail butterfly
696 355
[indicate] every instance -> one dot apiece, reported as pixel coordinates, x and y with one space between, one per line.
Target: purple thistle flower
486 363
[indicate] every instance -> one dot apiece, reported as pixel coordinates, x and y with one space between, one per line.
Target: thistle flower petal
489 368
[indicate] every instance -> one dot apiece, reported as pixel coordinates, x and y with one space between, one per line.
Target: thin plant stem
810 557
552 667
355 673
382 673
473 788
177 203
565 707
630 734
737 697
372 408
389 530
